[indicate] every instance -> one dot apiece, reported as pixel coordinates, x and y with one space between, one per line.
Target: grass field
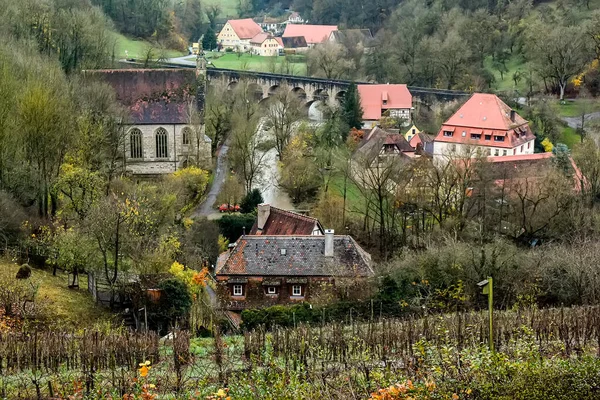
506 83
137 48
248 62
574 108
63 306
228 7
569 137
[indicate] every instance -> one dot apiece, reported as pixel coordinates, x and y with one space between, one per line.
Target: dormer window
448 133
384 102
498 138
488 137
475 136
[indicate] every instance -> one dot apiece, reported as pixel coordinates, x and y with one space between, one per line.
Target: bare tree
284 110
329 60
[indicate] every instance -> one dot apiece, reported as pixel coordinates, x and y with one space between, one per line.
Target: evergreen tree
352 111
250 201
209 40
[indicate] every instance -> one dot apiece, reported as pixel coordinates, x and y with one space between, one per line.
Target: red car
229 207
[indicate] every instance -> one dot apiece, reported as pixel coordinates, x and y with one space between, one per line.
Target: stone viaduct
311 89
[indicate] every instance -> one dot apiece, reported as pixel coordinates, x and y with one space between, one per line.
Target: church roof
158 112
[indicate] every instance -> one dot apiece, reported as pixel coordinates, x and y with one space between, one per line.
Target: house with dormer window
486 125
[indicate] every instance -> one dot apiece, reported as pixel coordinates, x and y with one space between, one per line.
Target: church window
135 143
185 136
161 143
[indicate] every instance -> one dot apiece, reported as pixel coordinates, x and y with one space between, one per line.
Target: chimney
264 210
328 242
512 115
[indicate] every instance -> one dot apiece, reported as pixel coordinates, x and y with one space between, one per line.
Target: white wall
441 149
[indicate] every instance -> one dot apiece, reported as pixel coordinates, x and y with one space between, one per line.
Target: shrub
251 201
232 226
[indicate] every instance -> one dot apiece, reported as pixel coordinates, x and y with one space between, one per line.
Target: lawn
63 306
506 83
137 48
569 136
574 108
249 62
354 197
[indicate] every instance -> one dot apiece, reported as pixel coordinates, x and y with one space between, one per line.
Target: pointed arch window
135 143
185 136
162 150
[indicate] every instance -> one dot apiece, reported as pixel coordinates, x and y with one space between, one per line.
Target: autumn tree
558 52
284 110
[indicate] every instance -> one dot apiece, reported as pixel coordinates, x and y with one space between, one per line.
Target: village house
275 221
375 100
264 44
422 143
237 33
294 44
362 37
275 26
484 125
261 271
379 143
160 137
295 18
313 34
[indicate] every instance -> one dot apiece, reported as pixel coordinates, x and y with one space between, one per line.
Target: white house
237 33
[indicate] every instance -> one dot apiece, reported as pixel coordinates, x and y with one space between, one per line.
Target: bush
251 201
232 226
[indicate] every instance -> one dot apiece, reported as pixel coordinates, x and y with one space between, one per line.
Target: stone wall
316 290
178 153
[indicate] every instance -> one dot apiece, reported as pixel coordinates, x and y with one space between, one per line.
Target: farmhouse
487 124
313 34
237 33
262 271
294 44
375 100
160 137
264 44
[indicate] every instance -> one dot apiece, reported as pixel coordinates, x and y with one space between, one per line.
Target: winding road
575 122
206 208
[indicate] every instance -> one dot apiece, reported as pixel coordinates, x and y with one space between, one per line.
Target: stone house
237 33
261 271
159 136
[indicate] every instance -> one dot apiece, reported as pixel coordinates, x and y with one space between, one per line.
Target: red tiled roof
420 138
282 222
372 97
259 38
280 41
245 28
520 157
485 114
312 33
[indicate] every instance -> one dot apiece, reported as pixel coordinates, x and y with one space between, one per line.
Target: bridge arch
339 96
300 92
273 89
232 85
255 91
321 94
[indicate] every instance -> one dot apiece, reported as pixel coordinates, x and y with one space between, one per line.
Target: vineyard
340 361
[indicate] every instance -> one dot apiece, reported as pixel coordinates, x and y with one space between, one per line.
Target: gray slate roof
261 256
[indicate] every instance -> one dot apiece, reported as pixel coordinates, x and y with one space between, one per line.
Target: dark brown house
262 271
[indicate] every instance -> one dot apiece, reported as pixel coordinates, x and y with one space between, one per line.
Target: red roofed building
275 221
377 99
487 124
313 34
265 44
237 33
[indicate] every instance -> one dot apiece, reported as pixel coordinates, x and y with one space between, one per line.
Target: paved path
206 208
575 122
182 60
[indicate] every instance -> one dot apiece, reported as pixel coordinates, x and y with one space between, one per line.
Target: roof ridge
295 214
